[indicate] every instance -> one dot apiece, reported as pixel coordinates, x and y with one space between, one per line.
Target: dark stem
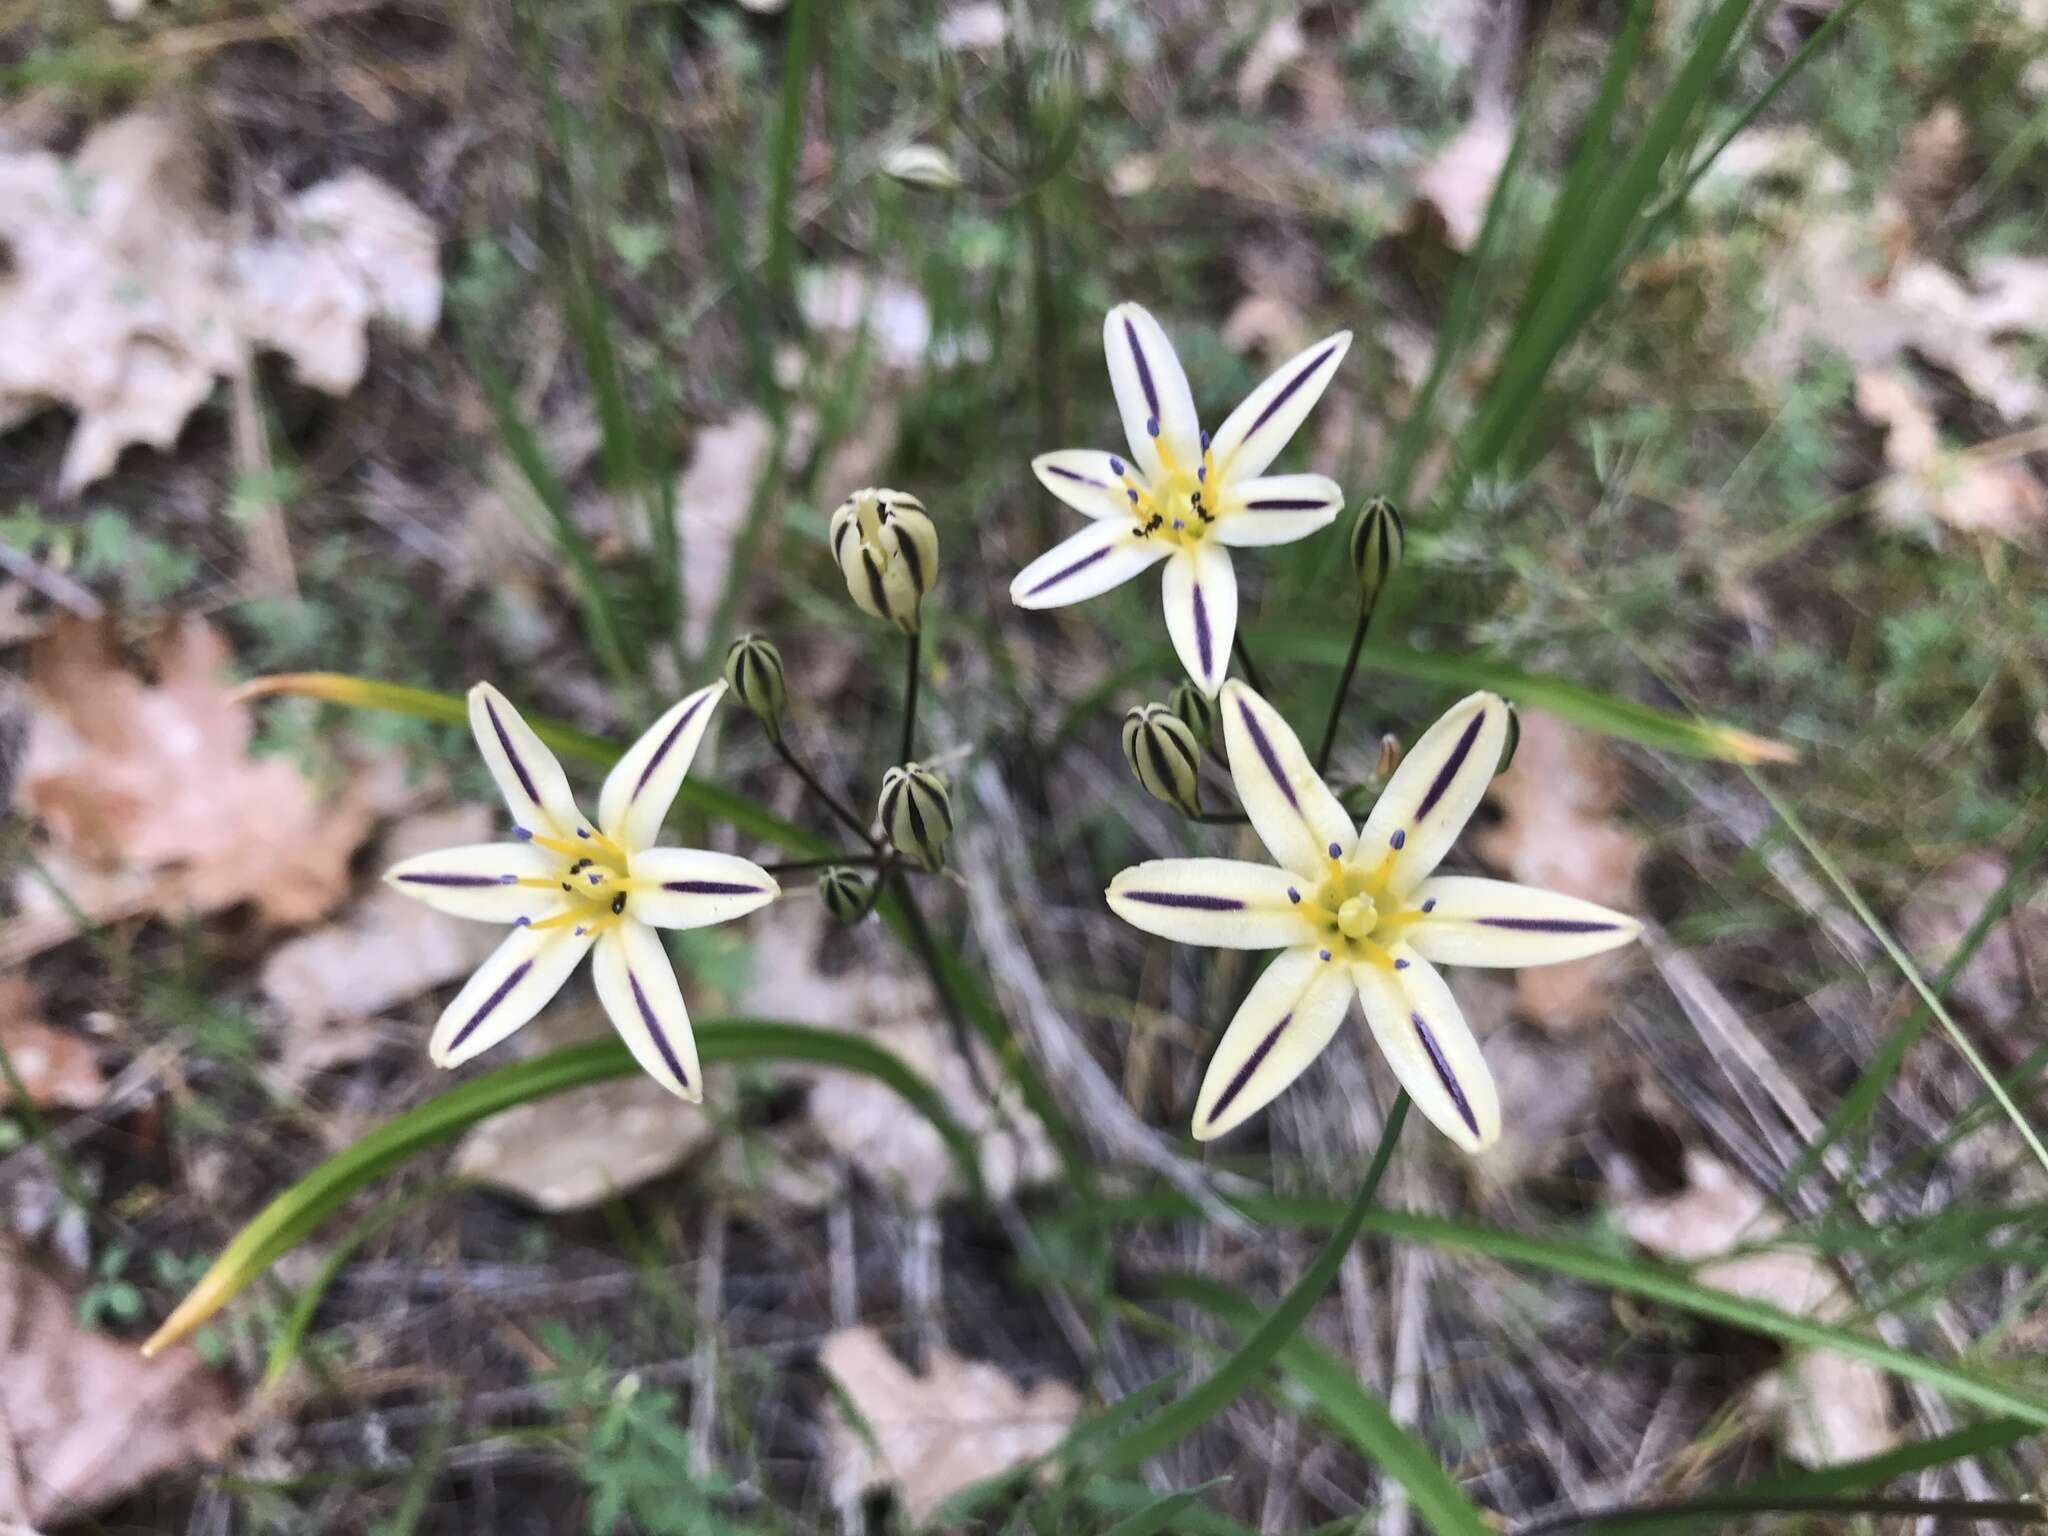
833 803
798 866
1221 818
910 697
2016 1511
1244 659
1344 685
928 952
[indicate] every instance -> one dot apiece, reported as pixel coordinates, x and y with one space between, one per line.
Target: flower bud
889 553
917 814
1389 758
753 668
1197 711
921 165
1507 753
1377 539
1164 757
846 895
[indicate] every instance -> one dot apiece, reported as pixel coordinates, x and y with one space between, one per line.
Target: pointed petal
1252 436
1218 902
1292 810
518 980
1151 391
697 887
1425 1039
479 881
1285 1021
1102 555
637 986
642 785
1495 922
1089 481
1436 789
536 790
1278 509
1201 611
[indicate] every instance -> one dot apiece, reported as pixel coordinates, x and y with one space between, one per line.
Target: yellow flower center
593 882
1182 505
1356 917
1346 908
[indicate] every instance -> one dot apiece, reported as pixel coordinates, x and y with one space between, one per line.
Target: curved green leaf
292 1215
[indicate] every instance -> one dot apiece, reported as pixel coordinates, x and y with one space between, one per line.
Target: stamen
1293 895
521 835
1151 426
1429 905
1399 840
559 920
1336 850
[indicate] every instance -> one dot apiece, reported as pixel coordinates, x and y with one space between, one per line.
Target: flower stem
832 802
928 953
798 866
1343 692
1244 659
1221 818
910 697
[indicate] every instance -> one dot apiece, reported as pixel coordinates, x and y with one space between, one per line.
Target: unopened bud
1389 758
1507 753
916 814
846 895
1164 757
889 553
921 165
1377 540
1197 710
753 668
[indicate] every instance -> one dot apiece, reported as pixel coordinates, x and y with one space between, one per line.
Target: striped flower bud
1164 757
1377 539
846 895
754 669
917 814
1197 711
889 553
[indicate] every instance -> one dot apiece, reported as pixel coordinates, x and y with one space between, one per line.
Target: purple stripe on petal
504 988
1443 1071
1193 901
1144 369
1451 766
505 741
711 888
1076 568
668 741
1204 645
1266 753
1289 389
463 881
1244 1073
1286 506
1547 924
1074 474
654 1030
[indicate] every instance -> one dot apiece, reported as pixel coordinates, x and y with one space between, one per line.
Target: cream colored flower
1359 913
1182 497
888 551
568 887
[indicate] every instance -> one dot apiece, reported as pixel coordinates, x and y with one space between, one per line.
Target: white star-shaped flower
1359 913
1182 496
568 887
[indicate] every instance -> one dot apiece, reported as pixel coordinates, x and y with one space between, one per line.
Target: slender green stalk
927 949
799 866
1343 692
832 802
796 81
915 651
1244 659
1216 1391
1221 818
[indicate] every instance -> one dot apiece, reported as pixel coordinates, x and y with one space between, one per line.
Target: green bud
846 895
889 553
1377 540
1164 757
753 668
916 813
1197 710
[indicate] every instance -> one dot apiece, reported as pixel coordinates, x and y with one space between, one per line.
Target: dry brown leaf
1457 182
156 776
713 494
1828 1408
58 1069
1930 484
929 1436
386 949
1930 169
125 295
1557 832
2010 968
84 1419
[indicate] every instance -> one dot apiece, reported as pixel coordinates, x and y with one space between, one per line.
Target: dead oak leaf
1828 1408
140 775
1931 484
58 1069
84 1419
928 1436
1558 832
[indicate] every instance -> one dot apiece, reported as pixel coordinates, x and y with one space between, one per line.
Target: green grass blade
796 83
291 1216
1161 1513
1358 1414
1220 1388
